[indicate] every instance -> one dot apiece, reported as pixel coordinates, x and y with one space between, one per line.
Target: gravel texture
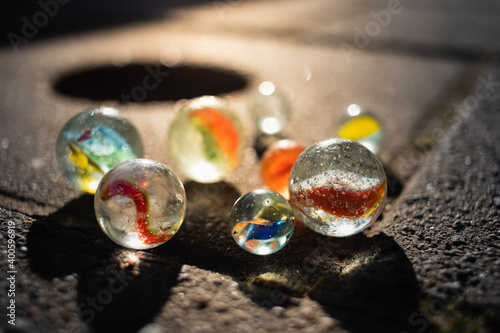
431 262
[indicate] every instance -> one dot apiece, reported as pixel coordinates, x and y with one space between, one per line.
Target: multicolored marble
94 141
362 127
270 109
262 222
206 140
140 204
337 187
277 163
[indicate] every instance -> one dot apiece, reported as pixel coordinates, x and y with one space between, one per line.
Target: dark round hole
139 83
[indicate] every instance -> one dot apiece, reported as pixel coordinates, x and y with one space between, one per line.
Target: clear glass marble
361 126
277 163
270 109
140 204
337 187
206 140
94 141
262 222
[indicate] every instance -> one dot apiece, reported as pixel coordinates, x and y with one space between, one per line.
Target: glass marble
337 187
262 222
206 140
140 204
277 163
94 141
362 127
270 109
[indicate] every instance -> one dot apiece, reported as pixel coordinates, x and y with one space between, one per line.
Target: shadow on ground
148 82
365 283
375 288
111 288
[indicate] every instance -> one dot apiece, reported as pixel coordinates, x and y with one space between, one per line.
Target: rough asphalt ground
431 263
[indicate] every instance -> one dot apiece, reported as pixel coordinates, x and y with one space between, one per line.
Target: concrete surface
430 263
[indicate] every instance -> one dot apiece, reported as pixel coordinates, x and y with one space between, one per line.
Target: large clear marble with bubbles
361 126
94 141
337 187
206 140
140 204
262 222
270 109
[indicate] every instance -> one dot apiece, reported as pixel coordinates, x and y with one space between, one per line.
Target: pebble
447 273
491 237
278 311
412 200
468 258
474 281
456 240
183 277
69 278
452 285
458 225
327 322
220 306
